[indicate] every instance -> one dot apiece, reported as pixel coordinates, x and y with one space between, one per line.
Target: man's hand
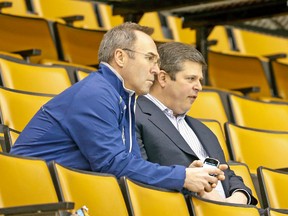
200 179
196 163
213 195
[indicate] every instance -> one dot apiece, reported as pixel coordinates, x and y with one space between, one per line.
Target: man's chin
143 92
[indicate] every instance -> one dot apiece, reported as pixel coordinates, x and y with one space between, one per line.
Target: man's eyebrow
151 53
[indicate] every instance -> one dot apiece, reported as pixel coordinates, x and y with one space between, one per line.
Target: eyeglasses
151 57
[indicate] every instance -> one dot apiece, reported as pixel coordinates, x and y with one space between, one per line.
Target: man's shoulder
195 121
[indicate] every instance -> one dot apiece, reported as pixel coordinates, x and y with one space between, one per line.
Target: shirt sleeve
93 123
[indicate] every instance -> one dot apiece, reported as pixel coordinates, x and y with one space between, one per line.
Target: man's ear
162 78
119 57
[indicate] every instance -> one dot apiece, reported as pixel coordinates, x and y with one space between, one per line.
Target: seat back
80 75
203 107
107 18
25 181
220 35
184 35
147 200
202 207
187 35
273 187
19 33
8 137
233 71
152 19
18 7
277 212
33 78
269 146
217 129
99 192
280 74
9 55
241 169
258 114
56 9
251 42
83 47
18 107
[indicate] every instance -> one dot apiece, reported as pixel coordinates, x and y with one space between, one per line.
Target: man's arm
200 180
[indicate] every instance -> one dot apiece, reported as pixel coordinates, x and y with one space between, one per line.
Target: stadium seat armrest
26 54
212 43
5 5
248 90
276 56
39 208
71 19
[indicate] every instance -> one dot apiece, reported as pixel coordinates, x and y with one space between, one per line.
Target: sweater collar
114 77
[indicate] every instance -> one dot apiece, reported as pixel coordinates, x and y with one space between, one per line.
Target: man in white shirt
167 136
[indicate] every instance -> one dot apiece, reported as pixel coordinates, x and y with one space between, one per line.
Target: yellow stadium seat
277 212
18 33
25 181
80 75
82 48
36 78
203 207
241 169
257 147
273 186
18 7
9 55
187 35
57 9
99 192
107 18
280 74
152 19
18 107
235 71
8 137
217 129
259 114
259 44
143 200
209 97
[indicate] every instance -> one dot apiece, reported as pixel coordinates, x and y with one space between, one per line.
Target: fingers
212 181
196 163
223 167
202 178
214 171
209 187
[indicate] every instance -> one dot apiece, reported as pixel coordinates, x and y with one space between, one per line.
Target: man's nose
198 86
155 69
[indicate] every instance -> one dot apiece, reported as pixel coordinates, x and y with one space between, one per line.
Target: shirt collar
130 92
163 108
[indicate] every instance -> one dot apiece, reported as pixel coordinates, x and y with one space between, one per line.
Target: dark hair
174 54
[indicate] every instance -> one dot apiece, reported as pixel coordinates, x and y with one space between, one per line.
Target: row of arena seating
245 74
263 122
103 194
18 107
245 105
239 143
255 68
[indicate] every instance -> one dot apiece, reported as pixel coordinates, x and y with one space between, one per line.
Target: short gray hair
122 36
